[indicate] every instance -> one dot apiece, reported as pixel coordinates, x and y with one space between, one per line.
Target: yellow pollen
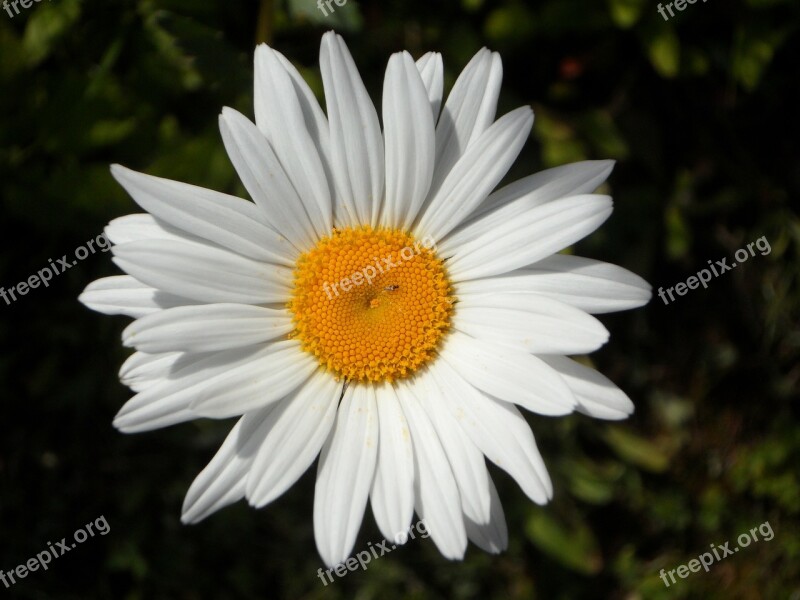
371 304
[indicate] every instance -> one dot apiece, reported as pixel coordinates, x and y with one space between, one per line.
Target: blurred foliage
699 112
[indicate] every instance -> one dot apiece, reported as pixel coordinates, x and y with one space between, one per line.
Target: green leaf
571 544
45 27
509 24
591 482
625 13
601 130
664 52
753 52
648 455
678 234
559 141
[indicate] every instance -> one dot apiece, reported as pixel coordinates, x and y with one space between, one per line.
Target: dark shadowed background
699 111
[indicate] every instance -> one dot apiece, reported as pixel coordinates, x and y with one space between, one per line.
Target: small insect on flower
407 377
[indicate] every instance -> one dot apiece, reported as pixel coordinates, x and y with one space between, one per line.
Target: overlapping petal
294 434
203 273
141 370
392 493
498 429
437 499
508 374
534 235
529 322
476 174
125 295
223 480
226 221
409 142
345 473
267 181
206 328
290 117
357 153
590 285
468 112
431 69
466 461
517 198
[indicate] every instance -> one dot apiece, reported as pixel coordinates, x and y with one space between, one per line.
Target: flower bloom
379 304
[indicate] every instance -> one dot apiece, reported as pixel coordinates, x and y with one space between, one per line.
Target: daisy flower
378 304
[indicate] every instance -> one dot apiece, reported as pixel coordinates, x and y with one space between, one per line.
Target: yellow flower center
371 304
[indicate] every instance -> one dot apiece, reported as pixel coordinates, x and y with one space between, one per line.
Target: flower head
378 304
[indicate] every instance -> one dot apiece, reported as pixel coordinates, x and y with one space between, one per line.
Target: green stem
264 24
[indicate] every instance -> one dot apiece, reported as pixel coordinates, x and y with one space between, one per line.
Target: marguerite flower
378 305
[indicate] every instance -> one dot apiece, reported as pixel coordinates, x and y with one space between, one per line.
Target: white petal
267 182
529 322
499 430
346 469
293 436
206 328
224 220
476 174
491 537
271 374
316 121
508 374
597 396
225 384
590 285
392 494
437 498
409 142
281 118
203 273
468 112
222 482
574 179
124 295
431 69
466 461
141 370
143 226
146 413
357 153
160 380
517 198
535 235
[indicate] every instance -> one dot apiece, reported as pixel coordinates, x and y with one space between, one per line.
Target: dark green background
701 114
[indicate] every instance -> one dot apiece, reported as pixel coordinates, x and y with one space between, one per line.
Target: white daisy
378 304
